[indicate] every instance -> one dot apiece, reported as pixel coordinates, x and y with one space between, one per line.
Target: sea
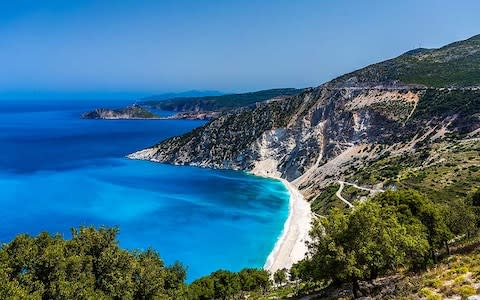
58 172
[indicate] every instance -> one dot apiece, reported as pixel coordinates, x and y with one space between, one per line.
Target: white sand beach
290 247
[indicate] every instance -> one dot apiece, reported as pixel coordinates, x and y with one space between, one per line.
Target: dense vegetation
91 265
394 230
226 285
462 106
219 103
401 230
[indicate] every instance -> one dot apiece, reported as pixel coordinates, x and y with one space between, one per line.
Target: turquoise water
59 172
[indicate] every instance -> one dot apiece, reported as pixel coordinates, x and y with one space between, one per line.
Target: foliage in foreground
91 265
393 231
227 285
402 230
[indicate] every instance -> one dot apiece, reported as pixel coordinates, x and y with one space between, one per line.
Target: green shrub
466 290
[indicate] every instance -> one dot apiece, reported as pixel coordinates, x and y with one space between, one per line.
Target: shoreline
290 246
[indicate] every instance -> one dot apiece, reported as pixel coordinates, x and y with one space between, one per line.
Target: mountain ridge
219 102
455 64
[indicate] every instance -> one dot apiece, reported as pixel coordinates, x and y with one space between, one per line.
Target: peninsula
202 107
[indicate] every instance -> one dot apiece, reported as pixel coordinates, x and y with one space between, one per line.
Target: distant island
191 108
130 112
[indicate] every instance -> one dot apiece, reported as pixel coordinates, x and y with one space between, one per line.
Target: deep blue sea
58 171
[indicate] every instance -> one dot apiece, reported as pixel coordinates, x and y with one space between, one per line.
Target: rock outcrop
130 112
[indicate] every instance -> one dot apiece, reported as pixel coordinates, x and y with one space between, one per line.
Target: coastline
290 246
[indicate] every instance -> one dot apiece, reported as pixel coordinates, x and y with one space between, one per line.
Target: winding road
342 185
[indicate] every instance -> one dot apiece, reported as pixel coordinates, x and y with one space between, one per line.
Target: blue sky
128 49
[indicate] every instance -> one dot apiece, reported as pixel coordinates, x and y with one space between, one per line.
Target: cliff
399 107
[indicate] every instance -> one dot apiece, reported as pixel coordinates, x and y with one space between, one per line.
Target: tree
459 217
280 276
230 285
475 197
294 272
175 275
361 244
254 280
149 276
227 284
411 207
202 289
91 265
295 275
12 289
218 285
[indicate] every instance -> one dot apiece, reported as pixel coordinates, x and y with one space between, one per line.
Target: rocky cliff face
314 138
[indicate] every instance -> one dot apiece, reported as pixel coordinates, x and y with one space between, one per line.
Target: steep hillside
218 103
454 65
336 130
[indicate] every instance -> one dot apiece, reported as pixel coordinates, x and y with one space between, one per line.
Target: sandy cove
290 247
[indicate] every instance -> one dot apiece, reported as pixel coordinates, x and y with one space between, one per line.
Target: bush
224 284
466 290
90 265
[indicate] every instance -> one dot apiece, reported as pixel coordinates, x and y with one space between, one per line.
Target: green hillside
456 64
219 103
